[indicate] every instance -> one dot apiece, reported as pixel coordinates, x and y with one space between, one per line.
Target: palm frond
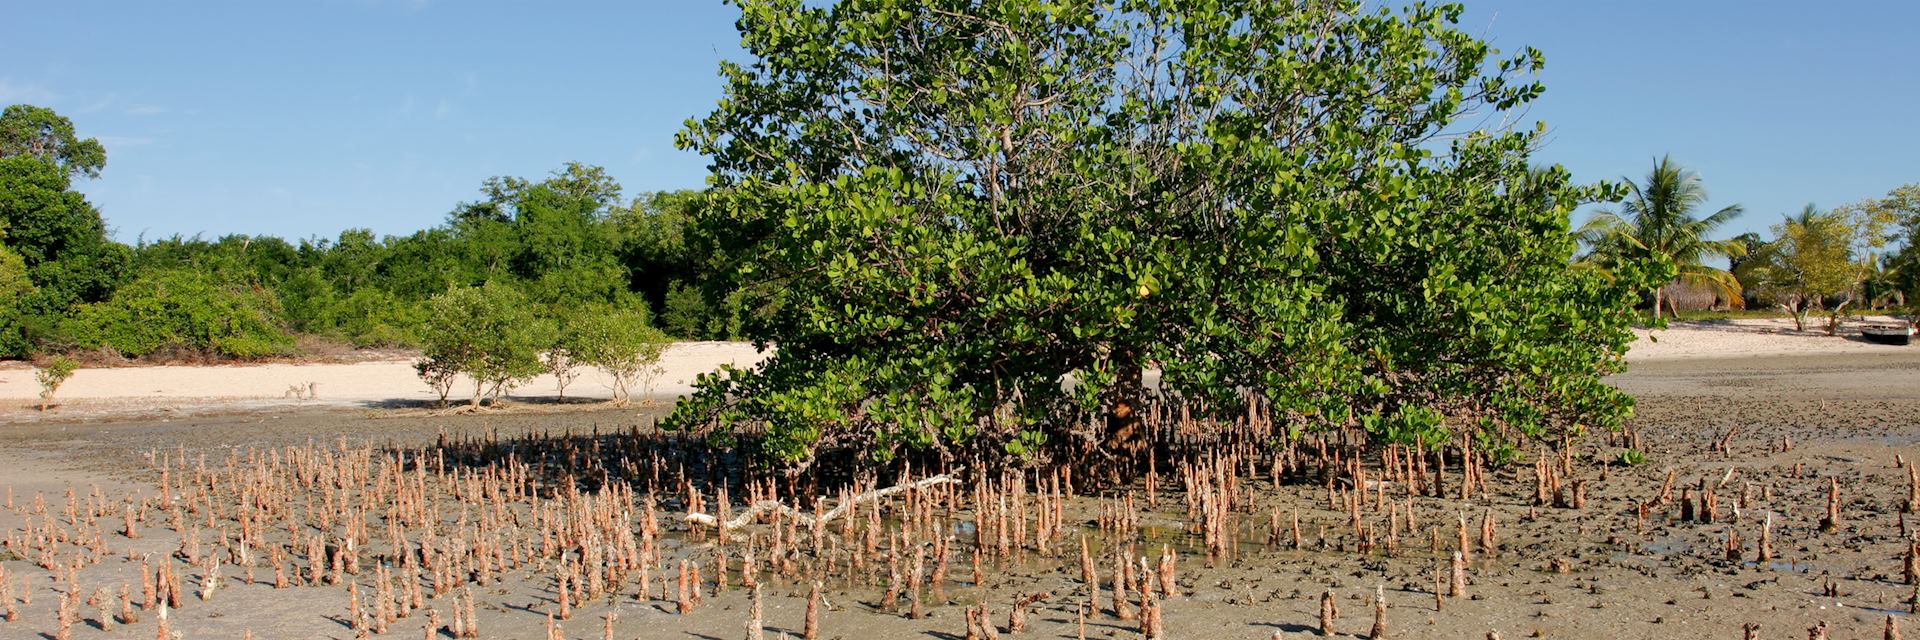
1721 282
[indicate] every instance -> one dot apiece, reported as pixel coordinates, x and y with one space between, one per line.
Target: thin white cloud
145 110
97 105
441 110
25 92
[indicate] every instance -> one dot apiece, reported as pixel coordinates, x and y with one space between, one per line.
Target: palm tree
1657 220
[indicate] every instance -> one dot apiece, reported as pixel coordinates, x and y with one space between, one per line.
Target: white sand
393 381
1750 338
362 383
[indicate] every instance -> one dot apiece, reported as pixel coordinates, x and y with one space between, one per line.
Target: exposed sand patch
376 383
393 383
1755 337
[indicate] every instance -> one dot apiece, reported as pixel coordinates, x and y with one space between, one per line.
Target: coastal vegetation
936 233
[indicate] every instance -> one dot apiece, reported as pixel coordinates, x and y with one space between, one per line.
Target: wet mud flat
1803 453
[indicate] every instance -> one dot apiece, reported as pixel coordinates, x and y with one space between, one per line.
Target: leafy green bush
51 375
687 314
947 262
490 334
619 342
181 309
14 287
373 317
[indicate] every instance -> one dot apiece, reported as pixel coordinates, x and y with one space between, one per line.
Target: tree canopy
1816 256
56 236
39 133
564 241
969 203
1658 220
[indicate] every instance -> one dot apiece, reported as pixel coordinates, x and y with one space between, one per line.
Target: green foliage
1896 278
15 287
687 314
963 205
40 134
489 333
56 236
1408 425
183 310
1656 225
562 242
1812 258
51 375
617 340
1631 458
439 374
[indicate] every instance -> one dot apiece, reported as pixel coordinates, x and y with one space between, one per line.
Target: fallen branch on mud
757 509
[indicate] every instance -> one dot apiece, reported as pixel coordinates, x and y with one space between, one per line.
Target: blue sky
301 118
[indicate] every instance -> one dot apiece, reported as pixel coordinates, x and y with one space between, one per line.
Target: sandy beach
391 383
373 384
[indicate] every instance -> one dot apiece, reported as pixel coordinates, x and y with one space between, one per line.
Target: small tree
51 375
620 343
560 363
487 333
1812 259
438 374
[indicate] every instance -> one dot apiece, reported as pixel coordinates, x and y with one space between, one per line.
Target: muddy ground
1557 573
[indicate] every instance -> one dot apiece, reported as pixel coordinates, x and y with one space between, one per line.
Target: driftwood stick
754 511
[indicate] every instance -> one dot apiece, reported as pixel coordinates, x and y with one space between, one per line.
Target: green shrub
619 342
372 317
181 309
490 334
51 375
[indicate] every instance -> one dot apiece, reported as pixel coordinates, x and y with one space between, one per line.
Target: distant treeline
568 243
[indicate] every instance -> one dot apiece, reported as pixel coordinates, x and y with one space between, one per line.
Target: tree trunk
1833 318
1658 296
1126 436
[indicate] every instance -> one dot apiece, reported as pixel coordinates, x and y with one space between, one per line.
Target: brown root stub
1017 615
756 626
1913 490
1910 570
1379 631
1457 587
1765 554
811 630
1831 522
1328 613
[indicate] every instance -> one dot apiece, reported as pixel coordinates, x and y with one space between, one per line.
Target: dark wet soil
1595 572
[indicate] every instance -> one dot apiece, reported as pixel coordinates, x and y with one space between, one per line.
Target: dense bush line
558 245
